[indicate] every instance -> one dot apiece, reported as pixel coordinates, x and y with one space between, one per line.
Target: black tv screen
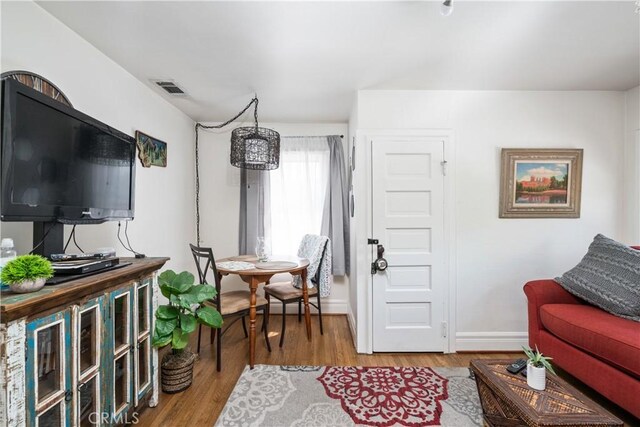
59 164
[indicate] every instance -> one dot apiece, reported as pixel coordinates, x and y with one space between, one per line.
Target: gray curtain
335 218
255 220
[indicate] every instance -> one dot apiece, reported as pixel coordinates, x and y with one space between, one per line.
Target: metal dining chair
286 292
231 305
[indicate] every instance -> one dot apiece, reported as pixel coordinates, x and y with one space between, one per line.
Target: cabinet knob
68 396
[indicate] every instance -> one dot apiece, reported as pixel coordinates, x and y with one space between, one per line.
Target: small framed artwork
151 151
540 183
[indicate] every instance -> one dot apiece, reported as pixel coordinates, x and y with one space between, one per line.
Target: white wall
220 199
35 41
496 257
632 167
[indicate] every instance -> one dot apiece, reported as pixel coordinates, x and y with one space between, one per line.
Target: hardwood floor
201 404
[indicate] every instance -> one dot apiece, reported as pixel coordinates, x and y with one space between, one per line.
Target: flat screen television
59 164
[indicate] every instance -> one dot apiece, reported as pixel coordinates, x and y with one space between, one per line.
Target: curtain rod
309 136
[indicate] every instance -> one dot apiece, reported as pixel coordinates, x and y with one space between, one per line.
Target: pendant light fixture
255 147
252 147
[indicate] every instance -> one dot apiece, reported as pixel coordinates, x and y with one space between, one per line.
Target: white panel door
408 220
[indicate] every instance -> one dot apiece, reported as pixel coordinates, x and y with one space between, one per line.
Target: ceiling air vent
170 87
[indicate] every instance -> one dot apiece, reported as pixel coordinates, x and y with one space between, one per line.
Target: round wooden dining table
262 273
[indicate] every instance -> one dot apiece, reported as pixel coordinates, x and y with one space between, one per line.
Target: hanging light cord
254 101
221 125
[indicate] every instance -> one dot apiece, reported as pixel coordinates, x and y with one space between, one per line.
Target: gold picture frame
540 183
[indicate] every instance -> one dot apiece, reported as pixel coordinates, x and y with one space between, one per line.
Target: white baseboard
329 306
491 341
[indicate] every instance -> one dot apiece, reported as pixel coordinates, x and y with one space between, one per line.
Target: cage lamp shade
255 148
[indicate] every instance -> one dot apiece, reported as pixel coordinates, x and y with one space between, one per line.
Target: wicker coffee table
507 400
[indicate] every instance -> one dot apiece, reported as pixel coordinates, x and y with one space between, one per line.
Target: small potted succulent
26 273
537 366
176 321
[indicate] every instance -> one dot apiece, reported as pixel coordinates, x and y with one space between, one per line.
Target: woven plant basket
177 371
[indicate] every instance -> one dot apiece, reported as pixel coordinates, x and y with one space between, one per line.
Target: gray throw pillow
608 277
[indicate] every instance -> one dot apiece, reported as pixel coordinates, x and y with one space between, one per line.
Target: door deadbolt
380 264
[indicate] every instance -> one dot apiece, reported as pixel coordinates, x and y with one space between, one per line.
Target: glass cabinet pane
88 402
121 382
143 309
121 320
143 364
52 417
89 331
48 360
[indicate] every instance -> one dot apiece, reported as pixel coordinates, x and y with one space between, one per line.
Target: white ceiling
306 60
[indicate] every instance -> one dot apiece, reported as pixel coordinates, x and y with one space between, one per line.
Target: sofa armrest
539 293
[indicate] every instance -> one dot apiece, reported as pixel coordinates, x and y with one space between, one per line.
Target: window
298 191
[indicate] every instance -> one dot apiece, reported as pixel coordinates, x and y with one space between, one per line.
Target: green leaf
178 288
165 327
538 360
189 299
176 283
161 341
180 339
188 322
547 365
203 292
185 302
209 316
166 277
166 312
529 353
183 282
165 290
186 277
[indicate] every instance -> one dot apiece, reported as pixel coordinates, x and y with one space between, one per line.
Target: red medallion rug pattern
345 396
387 396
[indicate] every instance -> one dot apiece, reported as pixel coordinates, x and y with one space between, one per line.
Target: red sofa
598 348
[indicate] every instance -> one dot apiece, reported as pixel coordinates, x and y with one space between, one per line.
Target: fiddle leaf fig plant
178 319
538 360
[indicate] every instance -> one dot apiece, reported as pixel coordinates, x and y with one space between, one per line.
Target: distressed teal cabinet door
49 391
142 333
90 337
121 340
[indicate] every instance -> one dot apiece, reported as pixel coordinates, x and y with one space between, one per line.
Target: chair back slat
205 262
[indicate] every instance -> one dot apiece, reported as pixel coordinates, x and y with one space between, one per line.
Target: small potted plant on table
26 273
176 321
537 365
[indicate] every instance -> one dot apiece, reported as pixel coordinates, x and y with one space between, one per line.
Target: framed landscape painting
151 151
540 183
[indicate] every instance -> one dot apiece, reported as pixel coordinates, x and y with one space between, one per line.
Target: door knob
380 264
